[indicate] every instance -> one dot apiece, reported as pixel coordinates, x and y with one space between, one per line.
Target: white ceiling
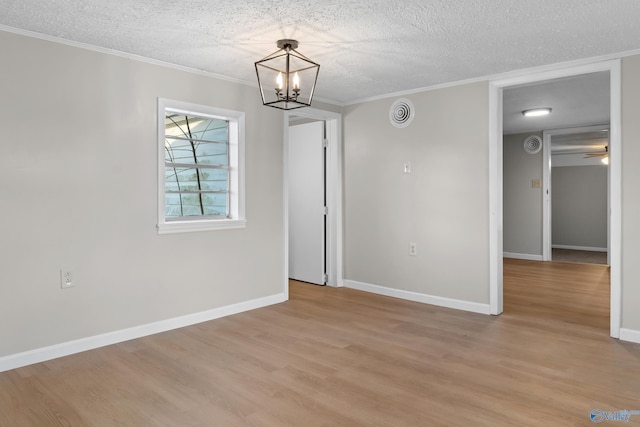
574 101
366 48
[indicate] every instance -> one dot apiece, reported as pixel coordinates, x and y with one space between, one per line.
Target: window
200 159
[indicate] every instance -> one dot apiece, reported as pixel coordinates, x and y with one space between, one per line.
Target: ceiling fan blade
598 153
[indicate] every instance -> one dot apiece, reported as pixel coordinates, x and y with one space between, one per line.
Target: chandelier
287 79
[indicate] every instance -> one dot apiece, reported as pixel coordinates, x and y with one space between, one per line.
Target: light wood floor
340 357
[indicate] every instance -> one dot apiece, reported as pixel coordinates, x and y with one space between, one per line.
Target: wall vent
532 144
401 113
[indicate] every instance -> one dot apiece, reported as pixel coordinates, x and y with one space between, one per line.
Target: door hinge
325 210
325 278
325 143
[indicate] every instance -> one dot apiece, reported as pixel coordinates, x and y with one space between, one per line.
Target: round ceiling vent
532 144
401 113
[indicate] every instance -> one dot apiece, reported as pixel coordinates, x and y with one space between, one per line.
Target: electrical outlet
413 249
66 278
407 167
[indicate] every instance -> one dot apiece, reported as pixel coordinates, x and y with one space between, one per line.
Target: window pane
192 139
191 179
212 154
196 140
205 128
197 152
178 205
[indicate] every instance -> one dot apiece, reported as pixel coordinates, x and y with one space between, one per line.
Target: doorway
333 178
576 223
496 180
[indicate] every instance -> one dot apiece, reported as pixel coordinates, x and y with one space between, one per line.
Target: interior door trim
496 88
334 241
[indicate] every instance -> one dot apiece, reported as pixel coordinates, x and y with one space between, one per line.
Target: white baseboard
529 257
579 248
418 297
630 335
71 347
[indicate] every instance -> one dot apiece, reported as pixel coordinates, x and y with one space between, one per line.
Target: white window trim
236 162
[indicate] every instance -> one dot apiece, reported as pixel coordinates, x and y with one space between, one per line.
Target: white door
306 203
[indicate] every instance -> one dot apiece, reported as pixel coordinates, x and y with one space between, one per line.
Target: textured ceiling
365 48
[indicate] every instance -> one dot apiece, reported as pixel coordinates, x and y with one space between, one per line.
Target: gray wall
522 204
579 206
384 210
442 205
631 193
78 172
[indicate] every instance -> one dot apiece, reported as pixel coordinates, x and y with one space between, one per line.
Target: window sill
208 225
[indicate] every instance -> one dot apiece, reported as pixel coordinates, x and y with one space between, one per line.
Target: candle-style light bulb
279 81
296 81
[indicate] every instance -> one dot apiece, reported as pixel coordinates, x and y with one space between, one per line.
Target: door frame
333 126
496 88
547 136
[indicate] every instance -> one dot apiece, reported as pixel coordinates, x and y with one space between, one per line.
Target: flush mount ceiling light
287 79
536 112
